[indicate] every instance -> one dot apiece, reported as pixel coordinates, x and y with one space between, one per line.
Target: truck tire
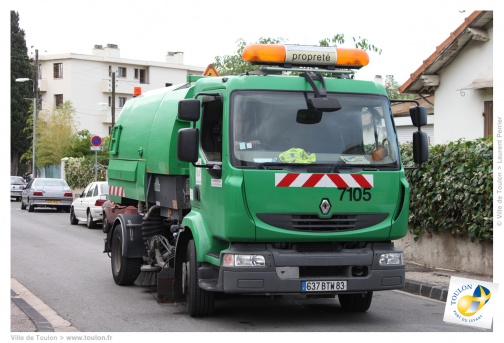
105 224
356 302
124 270
200 303
73 219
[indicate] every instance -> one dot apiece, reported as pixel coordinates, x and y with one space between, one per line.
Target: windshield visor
280 128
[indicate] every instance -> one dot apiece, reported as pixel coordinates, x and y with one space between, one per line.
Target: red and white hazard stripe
117 191
324 180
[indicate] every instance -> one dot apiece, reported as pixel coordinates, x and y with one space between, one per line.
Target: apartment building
86 81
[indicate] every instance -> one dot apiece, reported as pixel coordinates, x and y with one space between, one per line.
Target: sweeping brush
147 276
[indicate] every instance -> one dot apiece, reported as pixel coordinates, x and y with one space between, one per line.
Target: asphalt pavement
29 314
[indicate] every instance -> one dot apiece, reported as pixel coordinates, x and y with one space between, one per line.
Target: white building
460 75
86 81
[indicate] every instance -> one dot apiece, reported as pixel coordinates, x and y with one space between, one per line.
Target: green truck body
308 201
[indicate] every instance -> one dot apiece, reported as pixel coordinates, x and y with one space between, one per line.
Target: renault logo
325 206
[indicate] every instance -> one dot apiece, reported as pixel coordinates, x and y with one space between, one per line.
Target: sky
406 31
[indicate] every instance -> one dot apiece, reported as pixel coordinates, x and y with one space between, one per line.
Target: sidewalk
28 314
433 283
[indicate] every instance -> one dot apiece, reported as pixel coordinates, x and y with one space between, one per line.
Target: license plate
52 201
323 286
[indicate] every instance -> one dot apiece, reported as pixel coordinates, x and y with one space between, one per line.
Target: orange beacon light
305 55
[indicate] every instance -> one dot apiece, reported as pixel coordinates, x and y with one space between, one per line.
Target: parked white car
87 206
17 185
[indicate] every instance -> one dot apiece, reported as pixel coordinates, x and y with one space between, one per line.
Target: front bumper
285 271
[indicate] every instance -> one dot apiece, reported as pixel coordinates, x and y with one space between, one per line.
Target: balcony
42 85
123 86
106 114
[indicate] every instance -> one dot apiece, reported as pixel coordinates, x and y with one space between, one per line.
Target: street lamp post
34 168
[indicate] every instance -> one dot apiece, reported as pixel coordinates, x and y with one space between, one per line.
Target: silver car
17 185
88 205
46 192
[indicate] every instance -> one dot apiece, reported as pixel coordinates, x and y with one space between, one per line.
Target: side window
58 99
95 191
84 192
211 130
121 72
89 193
29 184
122 101
58 70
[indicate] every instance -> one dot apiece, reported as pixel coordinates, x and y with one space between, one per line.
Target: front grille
317 247
313 223
325 271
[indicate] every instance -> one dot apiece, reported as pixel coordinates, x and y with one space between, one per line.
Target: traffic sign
96 141
96 148
210 71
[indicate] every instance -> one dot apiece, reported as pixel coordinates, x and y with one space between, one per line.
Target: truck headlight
391 259
239 260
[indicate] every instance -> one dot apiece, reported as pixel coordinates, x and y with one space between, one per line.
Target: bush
453 192
80 171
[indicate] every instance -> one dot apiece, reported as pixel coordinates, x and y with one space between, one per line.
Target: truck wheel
356 302
200 303
89 220
124 270
73 219
105 224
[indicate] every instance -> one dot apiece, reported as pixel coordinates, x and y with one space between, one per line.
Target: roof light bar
305 55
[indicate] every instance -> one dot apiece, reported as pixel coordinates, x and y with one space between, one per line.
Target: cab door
209 182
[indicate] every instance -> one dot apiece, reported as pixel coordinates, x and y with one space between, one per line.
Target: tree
21 97
360 43
234 64
80 144
54 133
392 87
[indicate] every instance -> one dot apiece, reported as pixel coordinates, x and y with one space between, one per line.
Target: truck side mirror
418 115
189 109
187 145
420 147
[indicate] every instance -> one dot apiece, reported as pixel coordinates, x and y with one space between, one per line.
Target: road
63 265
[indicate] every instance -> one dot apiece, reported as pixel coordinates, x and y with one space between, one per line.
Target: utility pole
113 100
35 110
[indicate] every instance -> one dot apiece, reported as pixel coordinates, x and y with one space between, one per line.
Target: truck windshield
276 128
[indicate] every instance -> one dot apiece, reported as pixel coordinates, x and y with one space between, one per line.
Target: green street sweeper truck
283 181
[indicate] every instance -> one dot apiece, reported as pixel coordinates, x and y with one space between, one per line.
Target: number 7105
356 194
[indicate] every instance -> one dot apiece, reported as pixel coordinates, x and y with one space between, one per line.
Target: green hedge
80 171
453 192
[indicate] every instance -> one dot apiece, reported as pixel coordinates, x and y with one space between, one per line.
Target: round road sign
96 141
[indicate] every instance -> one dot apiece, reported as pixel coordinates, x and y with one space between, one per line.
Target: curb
433 292
43 317
41 323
